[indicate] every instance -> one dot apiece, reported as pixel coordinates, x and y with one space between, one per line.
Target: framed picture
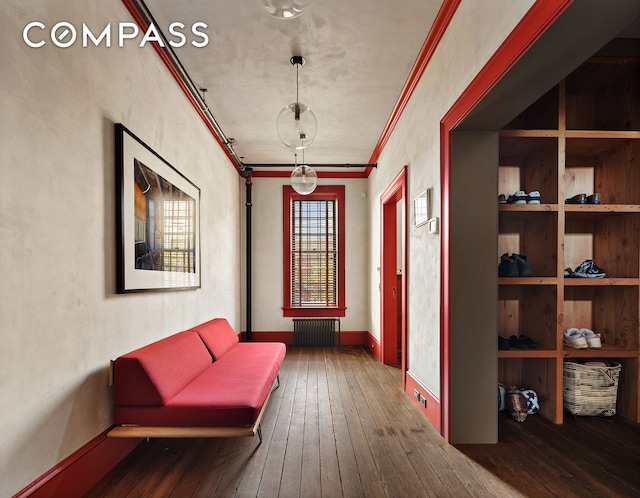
157 218
422 208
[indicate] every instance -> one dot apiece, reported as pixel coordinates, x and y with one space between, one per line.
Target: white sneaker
573 338
593 339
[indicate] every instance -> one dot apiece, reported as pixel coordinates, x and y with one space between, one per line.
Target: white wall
60 319
473 36
267 254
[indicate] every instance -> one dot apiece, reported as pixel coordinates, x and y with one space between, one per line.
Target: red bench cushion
155 373
218 335
230 392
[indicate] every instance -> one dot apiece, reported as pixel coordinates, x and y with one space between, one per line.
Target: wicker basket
590 390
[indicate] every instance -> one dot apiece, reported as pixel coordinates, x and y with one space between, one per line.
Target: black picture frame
157 220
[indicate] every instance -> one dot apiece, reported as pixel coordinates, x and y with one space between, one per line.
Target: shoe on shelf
593 199
577 199
523 339
573 338
516 343
524 269
589 269
520 197
503 343
508 266
502 199
533 197
593 339
569 273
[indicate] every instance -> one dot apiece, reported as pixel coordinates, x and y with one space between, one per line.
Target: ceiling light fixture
296 124
303 178
285 9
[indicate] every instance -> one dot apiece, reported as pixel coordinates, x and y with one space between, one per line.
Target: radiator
315 331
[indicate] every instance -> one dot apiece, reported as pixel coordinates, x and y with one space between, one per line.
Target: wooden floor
340 425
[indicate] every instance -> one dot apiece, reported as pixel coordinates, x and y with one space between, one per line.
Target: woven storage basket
590 390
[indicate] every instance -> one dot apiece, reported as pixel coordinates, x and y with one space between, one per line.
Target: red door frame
395 193
536 21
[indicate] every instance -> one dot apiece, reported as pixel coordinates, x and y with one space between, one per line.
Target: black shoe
593 199
588 269
516 343
577 199
524 269
503 343
523 339
508 266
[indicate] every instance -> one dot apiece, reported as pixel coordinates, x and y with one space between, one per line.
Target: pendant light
296 124
285 9
303 178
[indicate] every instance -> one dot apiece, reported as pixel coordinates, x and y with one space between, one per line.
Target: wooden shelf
531 208
583 136
527 281
592 282
527 353
606 351
602 208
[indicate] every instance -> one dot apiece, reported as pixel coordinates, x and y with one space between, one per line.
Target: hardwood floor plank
373 484
340 425
329 465
350 477
291 481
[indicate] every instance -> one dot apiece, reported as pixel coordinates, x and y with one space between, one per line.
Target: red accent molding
373 343
534 23
395 193
140 21
433 409
440 24
81 470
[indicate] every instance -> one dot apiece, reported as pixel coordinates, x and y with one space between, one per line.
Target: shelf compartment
612 240
543 114
602 94
530 311
603 165
529 163
611 311
538 374
532 234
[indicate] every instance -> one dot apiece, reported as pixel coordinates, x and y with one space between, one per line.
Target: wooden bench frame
149 431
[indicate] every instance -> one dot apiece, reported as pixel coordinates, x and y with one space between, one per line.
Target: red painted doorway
393 278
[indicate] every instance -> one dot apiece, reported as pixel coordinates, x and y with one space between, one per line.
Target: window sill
314 312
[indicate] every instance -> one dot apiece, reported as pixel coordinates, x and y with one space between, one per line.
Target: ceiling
358 56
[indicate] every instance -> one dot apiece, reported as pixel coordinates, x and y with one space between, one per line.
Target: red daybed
201 382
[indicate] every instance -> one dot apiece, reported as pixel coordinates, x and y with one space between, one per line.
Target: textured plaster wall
267 254
60 319
475 32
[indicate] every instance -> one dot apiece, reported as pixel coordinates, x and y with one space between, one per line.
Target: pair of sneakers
581 338
515 265
520 197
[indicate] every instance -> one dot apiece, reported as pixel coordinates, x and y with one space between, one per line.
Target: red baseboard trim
346 338
374 344
432 411
80 471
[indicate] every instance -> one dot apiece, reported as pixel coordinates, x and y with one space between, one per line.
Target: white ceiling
358 53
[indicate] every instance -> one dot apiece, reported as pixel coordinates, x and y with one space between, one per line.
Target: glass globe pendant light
296 124
285 9
303 178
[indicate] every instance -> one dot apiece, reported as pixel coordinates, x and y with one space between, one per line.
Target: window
314 252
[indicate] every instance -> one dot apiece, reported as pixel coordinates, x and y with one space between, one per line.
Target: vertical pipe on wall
247 176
